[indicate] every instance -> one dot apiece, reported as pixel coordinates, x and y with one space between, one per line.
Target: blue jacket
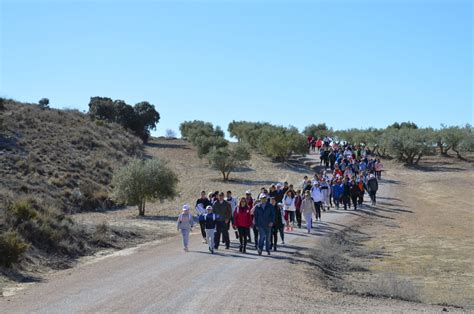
264 216
337 190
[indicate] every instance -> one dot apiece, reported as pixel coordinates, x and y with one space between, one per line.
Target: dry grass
60 155
427 230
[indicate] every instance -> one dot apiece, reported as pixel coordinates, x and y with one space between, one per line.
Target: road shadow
156 218
435 168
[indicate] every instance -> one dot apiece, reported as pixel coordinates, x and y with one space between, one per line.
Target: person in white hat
185 224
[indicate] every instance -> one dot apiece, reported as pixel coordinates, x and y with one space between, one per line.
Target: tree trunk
141 209
223 175
418 159
227 176
458 154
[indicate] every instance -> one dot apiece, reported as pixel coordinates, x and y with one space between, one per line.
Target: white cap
248 192
185 207
209 207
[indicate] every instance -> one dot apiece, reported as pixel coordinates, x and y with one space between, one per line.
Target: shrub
141 119
458 139
43 103
12 247
227 159
142 181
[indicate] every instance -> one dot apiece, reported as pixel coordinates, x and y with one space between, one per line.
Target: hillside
60 156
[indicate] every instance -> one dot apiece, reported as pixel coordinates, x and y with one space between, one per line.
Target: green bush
227 159
142 181
141 118
12 248
409 145
317 130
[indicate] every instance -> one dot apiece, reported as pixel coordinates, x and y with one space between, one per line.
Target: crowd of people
349 172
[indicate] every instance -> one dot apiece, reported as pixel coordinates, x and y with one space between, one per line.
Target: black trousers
354 201
372 196
274 237
318 205
361 198
346 201
202 224
298 217
221 228
243 234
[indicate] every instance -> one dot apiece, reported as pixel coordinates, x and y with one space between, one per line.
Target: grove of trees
276 142
404 141
141 118
210 143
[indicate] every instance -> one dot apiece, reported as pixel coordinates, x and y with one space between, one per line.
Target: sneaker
227 247
212 251
204 241
259 252
268 253
283 242
241 249
186 249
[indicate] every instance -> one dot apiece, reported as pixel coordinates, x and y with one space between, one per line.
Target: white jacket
317 195
289 204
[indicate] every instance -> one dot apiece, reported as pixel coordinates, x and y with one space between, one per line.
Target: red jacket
242 217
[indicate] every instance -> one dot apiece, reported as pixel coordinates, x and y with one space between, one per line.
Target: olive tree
141 181
454 136
227 159
409 144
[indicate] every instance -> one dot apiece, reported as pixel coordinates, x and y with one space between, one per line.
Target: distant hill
61 156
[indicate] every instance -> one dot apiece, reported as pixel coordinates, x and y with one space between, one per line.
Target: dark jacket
372 185
209 219
264 215
222 210
332 157
278 217
354 190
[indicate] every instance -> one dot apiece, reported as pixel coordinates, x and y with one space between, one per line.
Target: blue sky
346 63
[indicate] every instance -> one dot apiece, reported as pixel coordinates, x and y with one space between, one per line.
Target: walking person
337 190
332 159
354 192
209 220
243 222
290 209
372 188
185 224
317 196
264 218
346 198
298 201
250 203
201 205
378 169
224 212
308 209
278 225
324 186
233 204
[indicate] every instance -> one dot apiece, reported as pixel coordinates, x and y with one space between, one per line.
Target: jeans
210 237
309 221
243 234
221 228
336 201
264 238
185 234
318 209
255 235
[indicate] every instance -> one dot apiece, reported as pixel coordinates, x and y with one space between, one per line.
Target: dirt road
160 277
